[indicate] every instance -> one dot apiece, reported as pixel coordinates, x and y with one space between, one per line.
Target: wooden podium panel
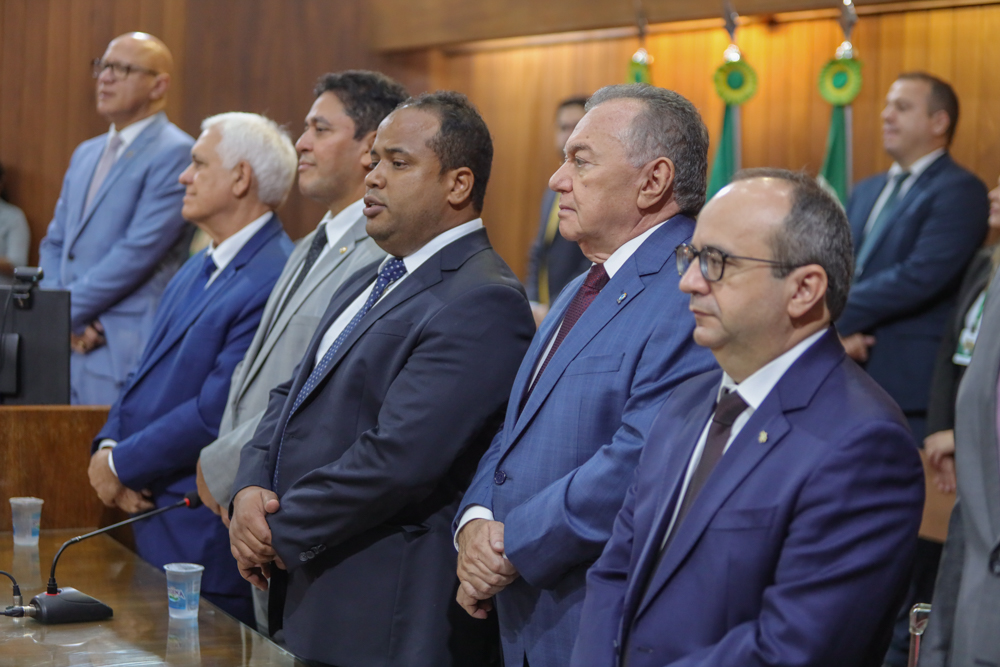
141 631
44 452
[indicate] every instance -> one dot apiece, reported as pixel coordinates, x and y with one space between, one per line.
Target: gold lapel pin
622 297
762 437
343 250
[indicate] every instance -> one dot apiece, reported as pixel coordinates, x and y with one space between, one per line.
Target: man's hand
91 338
483 570
940 450
134 502
250 536
856 346
104 481
206 496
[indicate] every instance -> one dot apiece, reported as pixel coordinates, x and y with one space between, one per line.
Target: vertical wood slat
785 125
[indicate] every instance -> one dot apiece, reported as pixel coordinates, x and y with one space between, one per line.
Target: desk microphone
68 605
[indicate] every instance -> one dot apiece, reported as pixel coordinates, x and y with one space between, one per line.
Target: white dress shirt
916 169
611 265
753 391
129 133
222 255
411 262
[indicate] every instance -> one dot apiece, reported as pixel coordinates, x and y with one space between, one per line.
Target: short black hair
463 139
368 97
942 97
815 231
575 101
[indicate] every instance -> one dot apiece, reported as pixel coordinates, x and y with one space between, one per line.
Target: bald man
117 236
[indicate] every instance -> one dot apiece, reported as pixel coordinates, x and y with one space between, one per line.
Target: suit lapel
327 265
794 391
88 165
866 203
120 166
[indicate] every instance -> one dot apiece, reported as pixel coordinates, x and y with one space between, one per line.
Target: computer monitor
34 346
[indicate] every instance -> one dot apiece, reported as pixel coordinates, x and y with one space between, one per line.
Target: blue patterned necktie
391 271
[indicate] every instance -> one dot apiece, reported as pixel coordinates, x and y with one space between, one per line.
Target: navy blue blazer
798 549
905 293
117 256
172 404
376 459
557 473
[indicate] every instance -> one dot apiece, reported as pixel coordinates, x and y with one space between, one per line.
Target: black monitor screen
34 348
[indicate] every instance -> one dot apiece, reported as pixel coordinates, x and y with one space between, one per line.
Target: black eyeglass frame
120 70
683 261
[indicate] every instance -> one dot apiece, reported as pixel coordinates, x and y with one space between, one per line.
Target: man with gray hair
773 516
614 345
242 167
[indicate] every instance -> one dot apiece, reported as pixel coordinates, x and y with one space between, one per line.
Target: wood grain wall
785 125
246 55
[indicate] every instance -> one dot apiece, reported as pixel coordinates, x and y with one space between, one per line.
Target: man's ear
940 120
657 184
461 181
365 146
242 179
160 85
807 285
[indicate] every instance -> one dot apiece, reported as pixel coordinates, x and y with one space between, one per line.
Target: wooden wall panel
785 125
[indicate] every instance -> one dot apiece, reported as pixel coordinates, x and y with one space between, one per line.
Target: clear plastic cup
27 517
183 589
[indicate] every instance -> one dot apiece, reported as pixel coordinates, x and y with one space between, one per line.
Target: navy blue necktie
201 280
390 272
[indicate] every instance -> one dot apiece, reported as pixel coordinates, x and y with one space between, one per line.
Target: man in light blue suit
614 345
241 169
773 516
117 236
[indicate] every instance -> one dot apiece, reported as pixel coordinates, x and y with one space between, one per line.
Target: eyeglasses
712 261
120 70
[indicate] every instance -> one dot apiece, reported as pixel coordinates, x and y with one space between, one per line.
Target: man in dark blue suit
241 169
915 229
616 343
774 513
345 494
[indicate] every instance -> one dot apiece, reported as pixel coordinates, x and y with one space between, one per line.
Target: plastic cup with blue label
27 518
183 589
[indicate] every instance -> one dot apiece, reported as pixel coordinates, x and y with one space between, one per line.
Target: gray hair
262 144
668 126
815 231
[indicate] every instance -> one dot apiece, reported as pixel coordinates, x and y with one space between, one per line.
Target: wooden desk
141 632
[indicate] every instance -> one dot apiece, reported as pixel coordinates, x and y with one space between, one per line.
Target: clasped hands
250 536
856 346
91 338
483 569
110 489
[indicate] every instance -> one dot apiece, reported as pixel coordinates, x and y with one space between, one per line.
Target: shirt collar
619 257
337 225
918 167
413 261
226 251
755 388
132 132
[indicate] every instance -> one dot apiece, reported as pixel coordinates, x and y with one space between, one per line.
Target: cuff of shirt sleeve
474 512
108 443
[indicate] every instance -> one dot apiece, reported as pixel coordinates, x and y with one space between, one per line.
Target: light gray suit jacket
277 348
965 617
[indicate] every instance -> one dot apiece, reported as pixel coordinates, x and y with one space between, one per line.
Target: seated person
241 169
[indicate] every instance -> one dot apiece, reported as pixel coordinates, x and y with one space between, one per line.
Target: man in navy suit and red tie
915 229
773 517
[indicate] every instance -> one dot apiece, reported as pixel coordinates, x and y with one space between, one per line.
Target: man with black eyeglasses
117 236
773 516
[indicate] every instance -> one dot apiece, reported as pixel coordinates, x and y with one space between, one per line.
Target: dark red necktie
592 285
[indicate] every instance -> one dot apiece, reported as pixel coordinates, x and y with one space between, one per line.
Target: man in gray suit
965 617
334 157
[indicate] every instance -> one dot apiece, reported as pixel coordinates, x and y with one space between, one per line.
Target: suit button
995 565
499 477
72 257
303 557
614 642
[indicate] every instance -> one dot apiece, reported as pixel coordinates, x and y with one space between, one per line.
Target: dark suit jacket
172 405
797 550
905 293
557 473
563 258
376 460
